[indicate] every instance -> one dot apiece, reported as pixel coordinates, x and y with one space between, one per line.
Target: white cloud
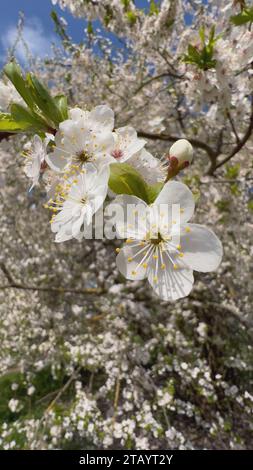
37 39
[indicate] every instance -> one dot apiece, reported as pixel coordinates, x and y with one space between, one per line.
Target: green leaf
21 114
153 191
44 100
90 28
212 35
232 171
202 34
14 73
203 57
124 179
131 17
234 188
193 52
38 98
244 17
62 105
126 4
153 9
8 124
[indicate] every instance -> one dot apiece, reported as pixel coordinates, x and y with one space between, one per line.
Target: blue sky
39 28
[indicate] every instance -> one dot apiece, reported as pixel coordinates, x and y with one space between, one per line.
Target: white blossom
80 201
150 250
8 96
126 143
84 138
35 156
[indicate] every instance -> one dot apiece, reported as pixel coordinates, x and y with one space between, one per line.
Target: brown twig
233 128
240 144
61 290
172 138
155 78
63 389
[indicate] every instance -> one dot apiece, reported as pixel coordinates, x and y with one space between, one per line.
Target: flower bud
182 151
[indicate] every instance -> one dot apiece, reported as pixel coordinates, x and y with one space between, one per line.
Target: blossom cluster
76 162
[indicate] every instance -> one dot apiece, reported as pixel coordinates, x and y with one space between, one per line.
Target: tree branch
60 290
171 138
63 389
12 284
157 77
233 128
242 141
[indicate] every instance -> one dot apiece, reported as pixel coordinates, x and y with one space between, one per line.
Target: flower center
155 240
83 156
117 153
43 166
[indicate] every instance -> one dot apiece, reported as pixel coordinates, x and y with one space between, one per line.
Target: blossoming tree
157 101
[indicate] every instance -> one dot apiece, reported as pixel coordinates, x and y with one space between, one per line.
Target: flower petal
149 167
131 213
128 142
101 118
169 283
174 192
76 225
56 161
201 247
77 114
130 261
